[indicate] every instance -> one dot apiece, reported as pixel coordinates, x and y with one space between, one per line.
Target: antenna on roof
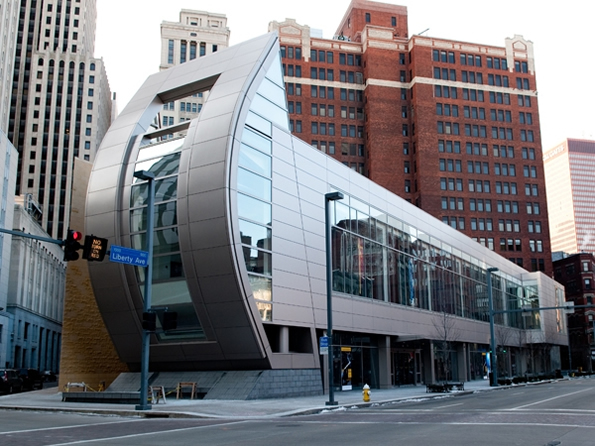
427 29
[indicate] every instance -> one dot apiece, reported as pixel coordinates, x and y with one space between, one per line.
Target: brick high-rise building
571 205
577 274
451 126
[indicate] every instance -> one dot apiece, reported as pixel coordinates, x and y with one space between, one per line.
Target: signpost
323 345
128 256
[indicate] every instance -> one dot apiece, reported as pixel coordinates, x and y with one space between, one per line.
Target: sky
563 34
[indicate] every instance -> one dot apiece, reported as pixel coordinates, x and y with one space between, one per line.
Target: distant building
9 18
450 126
35 293
577 274
570 182
197 34
8 161
61 102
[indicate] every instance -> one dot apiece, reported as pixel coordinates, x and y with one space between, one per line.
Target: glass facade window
169 284
255 188
376 256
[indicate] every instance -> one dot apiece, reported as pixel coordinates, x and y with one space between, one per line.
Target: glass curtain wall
170 290
254 186
377 256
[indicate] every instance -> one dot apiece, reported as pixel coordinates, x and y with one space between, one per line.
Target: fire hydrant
366 393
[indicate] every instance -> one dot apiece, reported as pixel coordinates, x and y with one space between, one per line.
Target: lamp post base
143 407
331 403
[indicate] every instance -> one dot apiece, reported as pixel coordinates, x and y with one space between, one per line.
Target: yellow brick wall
88 354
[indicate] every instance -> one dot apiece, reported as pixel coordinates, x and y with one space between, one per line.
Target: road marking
165 431
445 423
448 405
551 399
41 429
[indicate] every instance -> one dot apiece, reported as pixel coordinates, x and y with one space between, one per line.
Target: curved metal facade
229 331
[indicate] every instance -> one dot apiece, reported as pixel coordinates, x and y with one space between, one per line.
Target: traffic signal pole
146 335
34 237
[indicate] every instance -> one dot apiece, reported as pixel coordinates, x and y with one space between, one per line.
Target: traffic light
94 248
170 320
72 245
149 321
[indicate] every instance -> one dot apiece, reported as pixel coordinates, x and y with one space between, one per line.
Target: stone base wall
287 383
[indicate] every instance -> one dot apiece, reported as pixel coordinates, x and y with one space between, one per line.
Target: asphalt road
561 413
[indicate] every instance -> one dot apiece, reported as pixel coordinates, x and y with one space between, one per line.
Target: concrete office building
450 126
35 294
239 252
8 159
9 20
569 178
60 105
197 34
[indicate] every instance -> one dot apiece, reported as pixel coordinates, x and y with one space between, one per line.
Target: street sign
569 308
323 342
94 248
128 256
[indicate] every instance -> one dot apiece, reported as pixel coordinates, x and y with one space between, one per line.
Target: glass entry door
406 367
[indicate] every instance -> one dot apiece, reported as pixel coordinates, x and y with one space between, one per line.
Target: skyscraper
9 19
569 170
61 102
8 160
452 127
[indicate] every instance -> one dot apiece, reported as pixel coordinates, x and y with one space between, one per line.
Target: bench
157 393
180 389
81 387
459 385
444 387
436 388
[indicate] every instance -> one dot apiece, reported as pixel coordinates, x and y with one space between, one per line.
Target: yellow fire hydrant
366 393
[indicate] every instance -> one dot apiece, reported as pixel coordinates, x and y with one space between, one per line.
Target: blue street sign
323 344
128 256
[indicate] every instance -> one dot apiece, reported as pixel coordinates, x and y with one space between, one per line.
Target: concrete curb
163 412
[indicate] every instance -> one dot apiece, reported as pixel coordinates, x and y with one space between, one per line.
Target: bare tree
504 335
520 341
447 333
547 347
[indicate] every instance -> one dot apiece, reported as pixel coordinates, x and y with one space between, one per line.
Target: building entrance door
354 367
406 367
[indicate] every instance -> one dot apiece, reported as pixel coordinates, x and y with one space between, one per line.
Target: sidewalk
51 400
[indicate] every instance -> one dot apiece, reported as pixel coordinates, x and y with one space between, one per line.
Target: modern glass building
239 250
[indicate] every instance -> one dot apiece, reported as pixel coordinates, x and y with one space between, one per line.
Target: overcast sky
563 33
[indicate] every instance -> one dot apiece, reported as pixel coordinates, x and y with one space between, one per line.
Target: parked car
49 376
32 379
10 381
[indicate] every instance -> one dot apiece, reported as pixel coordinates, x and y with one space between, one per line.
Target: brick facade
88 354
577 274
451 126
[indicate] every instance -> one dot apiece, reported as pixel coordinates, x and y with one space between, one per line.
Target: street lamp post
146 339
493 355
331 196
